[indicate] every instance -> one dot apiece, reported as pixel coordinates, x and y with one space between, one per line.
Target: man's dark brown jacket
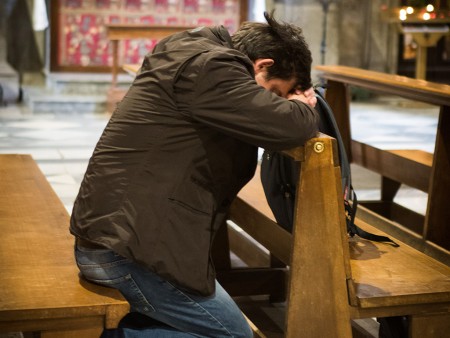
177 150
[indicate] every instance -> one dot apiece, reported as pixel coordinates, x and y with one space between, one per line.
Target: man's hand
308 96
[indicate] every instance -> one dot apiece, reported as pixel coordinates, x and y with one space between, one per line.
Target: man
172 158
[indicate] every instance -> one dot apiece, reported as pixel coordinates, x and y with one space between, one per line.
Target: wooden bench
396 167
40 287
418 169
119 32
333 279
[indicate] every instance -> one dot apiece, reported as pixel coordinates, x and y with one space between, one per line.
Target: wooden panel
412 167
418 90
136 31
131 69
429 326
397 213
436 228
53 324
250 252
401 310
318 298
437 222
254 281
338 97
38 277
383 276
419 156
388 276
403 234
85 333
320 282
375 263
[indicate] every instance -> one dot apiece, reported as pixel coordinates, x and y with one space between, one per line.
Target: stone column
356 34
308 14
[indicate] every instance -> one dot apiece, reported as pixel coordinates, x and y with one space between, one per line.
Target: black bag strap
349 192
343 159
353 229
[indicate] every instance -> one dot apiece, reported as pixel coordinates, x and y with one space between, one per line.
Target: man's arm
226 97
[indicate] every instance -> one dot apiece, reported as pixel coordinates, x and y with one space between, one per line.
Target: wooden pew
41 290
40 287
421 170
333 279
120 32
396 167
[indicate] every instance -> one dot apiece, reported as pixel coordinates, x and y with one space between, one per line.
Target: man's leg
182 313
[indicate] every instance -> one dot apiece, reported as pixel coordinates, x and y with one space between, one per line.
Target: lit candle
402 15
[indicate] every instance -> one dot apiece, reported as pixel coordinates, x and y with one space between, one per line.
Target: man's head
281 43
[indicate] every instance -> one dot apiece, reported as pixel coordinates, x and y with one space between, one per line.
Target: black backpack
279 173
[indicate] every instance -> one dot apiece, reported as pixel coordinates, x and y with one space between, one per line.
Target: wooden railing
432 231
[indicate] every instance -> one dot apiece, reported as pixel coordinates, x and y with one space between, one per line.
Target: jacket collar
218 34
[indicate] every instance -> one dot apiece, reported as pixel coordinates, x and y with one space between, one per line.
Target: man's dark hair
282 42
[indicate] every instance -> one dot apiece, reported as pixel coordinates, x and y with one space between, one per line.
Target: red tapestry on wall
82 36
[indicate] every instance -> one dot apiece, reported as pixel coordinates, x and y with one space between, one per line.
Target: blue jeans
176 312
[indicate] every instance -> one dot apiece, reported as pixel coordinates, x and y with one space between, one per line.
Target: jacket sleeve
226 97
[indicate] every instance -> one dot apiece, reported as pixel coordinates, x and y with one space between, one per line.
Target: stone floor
62 143
392 123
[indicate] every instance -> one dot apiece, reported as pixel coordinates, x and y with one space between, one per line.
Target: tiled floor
63 143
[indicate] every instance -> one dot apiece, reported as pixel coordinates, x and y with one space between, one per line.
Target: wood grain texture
332 277
40 287
406 167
